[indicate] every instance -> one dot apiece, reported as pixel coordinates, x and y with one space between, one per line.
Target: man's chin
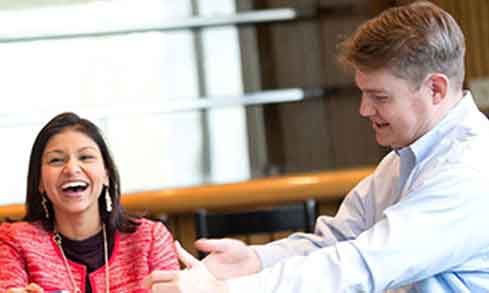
383 142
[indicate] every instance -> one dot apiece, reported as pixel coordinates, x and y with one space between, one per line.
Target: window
122 82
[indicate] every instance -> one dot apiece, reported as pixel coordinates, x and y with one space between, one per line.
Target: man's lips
379 125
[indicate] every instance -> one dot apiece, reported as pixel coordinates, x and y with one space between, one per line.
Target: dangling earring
108 200
44 203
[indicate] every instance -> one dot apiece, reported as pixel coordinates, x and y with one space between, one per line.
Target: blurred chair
299 216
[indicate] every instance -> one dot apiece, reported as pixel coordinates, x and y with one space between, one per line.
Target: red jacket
29 254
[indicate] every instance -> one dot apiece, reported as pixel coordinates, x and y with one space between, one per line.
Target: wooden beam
327 185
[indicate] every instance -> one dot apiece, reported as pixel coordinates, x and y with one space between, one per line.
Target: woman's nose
72 167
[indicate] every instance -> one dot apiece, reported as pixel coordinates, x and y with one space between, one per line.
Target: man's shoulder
467 146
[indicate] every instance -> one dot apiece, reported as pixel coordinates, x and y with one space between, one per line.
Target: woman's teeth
74 186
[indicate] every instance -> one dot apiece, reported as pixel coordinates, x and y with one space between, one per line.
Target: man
417 224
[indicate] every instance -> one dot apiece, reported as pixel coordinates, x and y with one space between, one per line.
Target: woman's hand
194 279
31 288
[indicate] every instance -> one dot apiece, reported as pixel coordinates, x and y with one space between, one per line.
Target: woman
75 235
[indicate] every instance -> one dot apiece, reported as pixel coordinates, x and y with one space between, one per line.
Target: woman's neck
78 228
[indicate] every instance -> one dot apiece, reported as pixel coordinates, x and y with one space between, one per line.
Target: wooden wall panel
321 133
333 31
185 231
473 18
298 138
352 136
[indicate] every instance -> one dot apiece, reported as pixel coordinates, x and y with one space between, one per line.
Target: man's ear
438 86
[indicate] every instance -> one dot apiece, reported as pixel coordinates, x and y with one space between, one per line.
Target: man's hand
194 279
228 258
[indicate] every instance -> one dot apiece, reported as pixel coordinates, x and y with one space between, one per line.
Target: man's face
400 112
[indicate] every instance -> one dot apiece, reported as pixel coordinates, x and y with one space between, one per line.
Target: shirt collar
422 146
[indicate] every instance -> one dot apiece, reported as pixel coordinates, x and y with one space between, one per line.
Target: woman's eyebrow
87 148
54 151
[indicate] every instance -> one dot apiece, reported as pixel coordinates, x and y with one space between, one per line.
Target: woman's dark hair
117 219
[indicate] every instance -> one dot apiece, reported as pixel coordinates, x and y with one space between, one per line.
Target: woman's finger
34 288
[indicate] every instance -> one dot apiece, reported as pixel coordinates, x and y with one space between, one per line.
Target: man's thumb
187 259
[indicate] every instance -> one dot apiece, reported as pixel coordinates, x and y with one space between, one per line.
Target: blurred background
193 92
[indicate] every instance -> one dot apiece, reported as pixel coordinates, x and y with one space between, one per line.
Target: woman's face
73 174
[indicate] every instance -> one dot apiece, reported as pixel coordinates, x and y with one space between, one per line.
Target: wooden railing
328 185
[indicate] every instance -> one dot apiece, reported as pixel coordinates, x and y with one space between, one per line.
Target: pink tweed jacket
29 254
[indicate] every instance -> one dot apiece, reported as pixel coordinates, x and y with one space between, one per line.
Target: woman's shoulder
22 230
21 226
148 228
147 225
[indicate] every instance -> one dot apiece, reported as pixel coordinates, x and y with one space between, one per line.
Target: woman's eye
86 157
55 161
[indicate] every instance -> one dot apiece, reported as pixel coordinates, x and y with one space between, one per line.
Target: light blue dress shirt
419 223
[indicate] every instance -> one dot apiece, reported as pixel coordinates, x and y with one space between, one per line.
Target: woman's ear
40 188
106 179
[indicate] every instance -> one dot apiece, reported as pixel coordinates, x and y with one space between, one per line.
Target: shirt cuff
270 254
244 284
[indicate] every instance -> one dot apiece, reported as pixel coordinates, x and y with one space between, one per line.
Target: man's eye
381 98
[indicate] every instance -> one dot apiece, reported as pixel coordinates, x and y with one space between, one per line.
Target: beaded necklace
76 289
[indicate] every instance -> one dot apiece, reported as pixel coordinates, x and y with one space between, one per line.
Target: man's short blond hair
411 41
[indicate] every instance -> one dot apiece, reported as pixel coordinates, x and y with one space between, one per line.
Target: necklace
57 239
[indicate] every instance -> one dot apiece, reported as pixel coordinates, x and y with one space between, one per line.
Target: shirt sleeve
353 217
163 255
12 264
422 235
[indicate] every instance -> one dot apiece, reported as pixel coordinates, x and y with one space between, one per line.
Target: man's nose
366 108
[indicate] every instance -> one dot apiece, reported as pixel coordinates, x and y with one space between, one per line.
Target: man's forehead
371 82
378 81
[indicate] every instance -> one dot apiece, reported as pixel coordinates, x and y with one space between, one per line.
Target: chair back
298 216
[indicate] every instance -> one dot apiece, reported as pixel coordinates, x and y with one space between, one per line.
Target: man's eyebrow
374 91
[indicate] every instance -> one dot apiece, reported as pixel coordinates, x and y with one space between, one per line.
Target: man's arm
421 236
232 258
351 220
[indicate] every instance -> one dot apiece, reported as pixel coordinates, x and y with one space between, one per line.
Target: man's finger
187 259
159 276
214 245
165 287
